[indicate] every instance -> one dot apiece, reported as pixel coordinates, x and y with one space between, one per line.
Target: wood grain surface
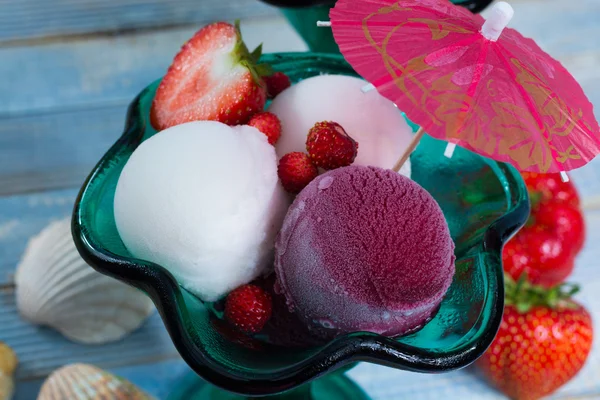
26 19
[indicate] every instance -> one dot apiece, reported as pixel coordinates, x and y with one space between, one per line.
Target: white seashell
55 287
86 382
8 364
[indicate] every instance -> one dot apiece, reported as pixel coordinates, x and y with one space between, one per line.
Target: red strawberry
329 146
295 171
213 77
543 342
277 83
565 222
546 247
248 308
539 254
268 124
550 187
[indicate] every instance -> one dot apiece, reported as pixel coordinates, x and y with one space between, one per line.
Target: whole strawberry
213 77
329 146
544 340
539 254
277 83
545 249
295 171
248 308
267 123
545 188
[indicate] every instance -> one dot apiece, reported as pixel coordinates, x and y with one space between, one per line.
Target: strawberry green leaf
524 295
264 70
256 53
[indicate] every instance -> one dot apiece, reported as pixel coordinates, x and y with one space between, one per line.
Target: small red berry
267 123
295 171
329 146
277 83
248 308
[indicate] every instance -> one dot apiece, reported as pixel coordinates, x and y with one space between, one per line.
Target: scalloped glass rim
166 293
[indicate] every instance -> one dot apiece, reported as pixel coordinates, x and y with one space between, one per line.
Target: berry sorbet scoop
364 249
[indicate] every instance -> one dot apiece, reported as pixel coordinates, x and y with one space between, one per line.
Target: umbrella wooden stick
411 147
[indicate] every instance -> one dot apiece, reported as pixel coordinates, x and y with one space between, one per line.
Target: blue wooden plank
562 28
156 379
51 151
74 75
24 19
587 181
41 350
63 105
24 216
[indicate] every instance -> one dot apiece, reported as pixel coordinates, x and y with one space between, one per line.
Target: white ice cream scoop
372 120
203 200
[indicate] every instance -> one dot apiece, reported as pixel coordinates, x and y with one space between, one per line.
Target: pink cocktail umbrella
468 81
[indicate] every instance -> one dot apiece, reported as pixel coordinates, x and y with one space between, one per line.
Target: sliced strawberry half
213 77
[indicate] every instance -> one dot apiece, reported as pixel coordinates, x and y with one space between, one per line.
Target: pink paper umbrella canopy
489 90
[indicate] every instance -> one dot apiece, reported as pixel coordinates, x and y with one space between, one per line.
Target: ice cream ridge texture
364 249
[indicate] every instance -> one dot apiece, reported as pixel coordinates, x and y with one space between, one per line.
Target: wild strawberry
248 308
543 341
329 146
277 83
268 124
213 77
295 171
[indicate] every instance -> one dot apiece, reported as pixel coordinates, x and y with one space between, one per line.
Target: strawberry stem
256 53
524 295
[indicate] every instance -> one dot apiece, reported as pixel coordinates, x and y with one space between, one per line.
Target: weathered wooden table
68 70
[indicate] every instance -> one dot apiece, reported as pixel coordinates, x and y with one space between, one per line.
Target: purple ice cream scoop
364 249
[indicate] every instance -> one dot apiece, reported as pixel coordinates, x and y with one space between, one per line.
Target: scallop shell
7 387
8 364
55 287
86 382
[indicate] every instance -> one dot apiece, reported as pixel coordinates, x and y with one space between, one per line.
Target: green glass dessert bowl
484 202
